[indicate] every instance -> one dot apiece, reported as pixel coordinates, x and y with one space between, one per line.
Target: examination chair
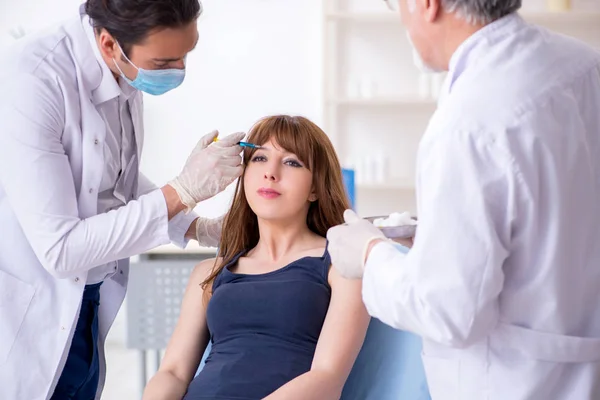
388 367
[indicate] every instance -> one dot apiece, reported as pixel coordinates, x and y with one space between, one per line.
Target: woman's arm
339 344
186 345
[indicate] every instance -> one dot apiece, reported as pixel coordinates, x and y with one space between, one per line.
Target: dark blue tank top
263 328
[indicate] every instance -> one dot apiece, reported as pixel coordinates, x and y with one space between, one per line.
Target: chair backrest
389 366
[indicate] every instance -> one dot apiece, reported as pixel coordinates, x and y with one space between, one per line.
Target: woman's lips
268 193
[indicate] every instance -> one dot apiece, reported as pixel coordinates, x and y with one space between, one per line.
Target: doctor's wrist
191 232
174 204
370 246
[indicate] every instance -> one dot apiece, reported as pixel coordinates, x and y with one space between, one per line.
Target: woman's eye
293 163
258 159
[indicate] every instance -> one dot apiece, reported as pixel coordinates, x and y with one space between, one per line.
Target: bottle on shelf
380 168
369 169
558 5
352 89
367 87
534 6
585 5
437 82
424 85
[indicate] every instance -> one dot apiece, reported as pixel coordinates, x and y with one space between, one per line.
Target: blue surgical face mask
154 82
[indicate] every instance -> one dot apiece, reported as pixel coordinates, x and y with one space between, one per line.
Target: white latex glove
348 244
209 169
208 231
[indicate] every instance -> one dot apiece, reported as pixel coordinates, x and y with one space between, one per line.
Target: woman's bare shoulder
204 268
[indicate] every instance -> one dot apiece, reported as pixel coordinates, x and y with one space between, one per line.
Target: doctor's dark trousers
79 379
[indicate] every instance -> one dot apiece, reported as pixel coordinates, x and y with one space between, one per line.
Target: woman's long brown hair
311 145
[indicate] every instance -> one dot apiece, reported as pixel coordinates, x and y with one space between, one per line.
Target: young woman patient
283 324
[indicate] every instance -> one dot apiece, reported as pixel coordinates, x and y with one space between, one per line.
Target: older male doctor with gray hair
503 279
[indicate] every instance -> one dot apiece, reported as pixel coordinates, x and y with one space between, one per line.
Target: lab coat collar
108 88
88 70
470 50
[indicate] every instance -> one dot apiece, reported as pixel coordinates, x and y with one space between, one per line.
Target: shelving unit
563 18
369 44
384 102
400 186
542 18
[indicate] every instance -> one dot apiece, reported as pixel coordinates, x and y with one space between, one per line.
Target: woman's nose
271 174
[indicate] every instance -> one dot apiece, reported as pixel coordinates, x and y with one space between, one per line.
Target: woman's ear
312 197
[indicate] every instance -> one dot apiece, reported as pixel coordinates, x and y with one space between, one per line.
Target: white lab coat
51 165
503 281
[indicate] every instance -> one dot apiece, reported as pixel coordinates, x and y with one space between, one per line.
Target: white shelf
542 18
385 102
387 186
192 248
564 17
364 17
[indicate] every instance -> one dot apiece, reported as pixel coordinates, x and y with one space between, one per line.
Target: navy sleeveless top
263 329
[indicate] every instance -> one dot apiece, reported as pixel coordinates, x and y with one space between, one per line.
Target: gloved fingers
231 161
208 232
334 232
214 225
207 139
226 151
220 219
350 217
232 172
230 140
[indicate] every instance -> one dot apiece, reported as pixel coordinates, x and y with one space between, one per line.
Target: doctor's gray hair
131 21
481 11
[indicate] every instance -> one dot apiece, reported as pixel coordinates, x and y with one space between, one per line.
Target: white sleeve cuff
383 271
160 214
178 227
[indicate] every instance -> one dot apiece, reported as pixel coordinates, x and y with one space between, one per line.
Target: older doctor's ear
479 11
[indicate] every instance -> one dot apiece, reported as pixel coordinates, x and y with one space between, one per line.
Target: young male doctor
73 205
503 279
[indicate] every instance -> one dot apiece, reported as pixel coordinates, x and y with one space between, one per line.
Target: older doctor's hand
348 244
209 169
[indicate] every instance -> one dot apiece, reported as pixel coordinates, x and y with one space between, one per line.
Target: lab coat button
91 190
96 141
62 328
76 279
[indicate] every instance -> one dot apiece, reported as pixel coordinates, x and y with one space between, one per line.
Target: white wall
254 58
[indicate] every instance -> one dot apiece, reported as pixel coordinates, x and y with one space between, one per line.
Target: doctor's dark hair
481 11
131 21
311 145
